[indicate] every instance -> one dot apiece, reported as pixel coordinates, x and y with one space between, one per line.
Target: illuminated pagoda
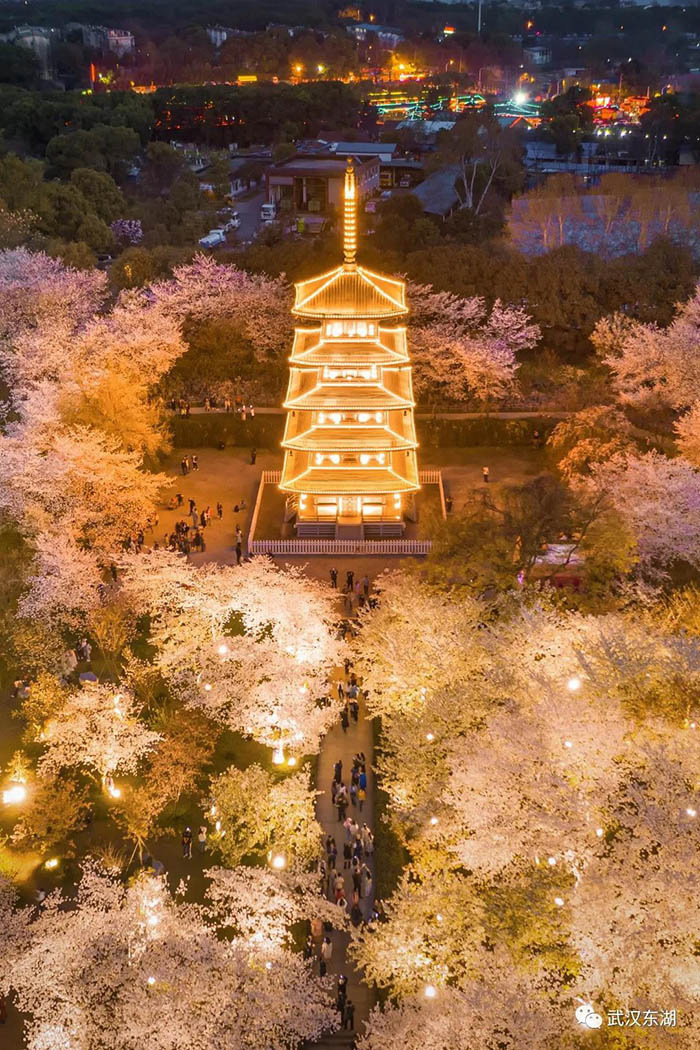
350 442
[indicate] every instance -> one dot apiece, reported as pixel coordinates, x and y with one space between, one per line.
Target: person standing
365 881
202 838
344 720
365 585
239 553
195 463
220 510
361 797
253 456
349 1015
349 581
327 949
347 853
183 465
485 474
187 843
334 579
239 534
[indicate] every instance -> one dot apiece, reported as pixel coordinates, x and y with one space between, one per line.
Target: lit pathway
338 744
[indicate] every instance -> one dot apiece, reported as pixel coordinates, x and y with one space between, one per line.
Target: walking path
344 745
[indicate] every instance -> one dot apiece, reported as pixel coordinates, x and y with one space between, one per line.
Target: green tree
101 191
18 65
79 149
163 165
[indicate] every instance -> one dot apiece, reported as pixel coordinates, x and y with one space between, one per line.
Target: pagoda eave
349 439
357 483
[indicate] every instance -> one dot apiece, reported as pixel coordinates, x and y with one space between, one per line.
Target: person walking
349 581
334 579
220 510
344 720
485 474
342 804
239 534
253 456
183 466
361 797
339 887
187 843
309 943
347 854
349 1016
365 882
202 838
338 770
327 949
195 463
239 553
365 585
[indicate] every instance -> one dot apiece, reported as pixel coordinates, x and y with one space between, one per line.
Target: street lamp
278 861
430 991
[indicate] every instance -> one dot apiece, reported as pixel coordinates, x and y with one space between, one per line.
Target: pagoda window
366 458
350 373
350 330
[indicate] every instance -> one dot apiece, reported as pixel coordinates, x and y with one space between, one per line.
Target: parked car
268 211
213 239
233 223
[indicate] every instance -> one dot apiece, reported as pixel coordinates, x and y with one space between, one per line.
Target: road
249 211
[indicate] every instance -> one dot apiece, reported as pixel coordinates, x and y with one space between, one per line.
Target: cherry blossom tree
659 498
128 965
593 435
97 728
462 348
63 585
249 646
255 813
74 480
654 366
472 1018
36 289
688 430
261 905
550 823
207 290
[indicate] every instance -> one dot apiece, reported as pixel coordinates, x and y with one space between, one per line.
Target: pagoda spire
350 217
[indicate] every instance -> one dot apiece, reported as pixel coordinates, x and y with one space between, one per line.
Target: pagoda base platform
276 529
350 528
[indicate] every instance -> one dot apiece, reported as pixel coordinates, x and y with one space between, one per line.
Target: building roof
350 292
437 193
359 149
351 438
314 164
348 397
331 481
311 348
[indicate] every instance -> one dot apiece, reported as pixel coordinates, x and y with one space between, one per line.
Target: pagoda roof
355 481
349 396
355 436
311 348
350 291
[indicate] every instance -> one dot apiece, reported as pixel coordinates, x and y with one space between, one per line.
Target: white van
213 239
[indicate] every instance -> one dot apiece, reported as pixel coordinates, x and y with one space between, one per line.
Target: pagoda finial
350 217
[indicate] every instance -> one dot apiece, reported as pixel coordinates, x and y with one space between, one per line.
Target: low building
385 151
119 41
388 36
314 185
38 40
537 56
438 194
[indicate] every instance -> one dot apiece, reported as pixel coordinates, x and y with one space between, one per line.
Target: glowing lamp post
13 795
